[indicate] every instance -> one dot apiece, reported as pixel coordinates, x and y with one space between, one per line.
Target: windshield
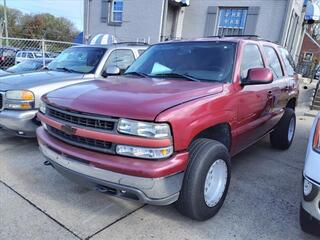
25 66
78 59
204 61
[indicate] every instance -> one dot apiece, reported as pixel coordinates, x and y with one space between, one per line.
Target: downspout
164 20
285 27
86 35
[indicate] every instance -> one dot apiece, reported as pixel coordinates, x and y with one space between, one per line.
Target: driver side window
251 58
121 58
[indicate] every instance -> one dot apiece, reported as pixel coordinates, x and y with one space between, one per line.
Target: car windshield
78 59
202 61
25 66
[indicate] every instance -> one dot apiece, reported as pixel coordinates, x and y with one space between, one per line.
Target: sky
70 9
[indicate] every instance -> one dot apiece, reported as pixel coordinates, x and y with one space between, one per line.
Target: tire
205 155
308 224
282 136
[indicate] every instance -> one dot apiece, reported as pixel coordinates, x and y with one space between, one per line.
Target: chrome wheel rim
215 184
291 129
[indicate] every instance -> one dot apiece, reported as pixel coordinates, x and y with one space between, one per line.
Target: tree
39 26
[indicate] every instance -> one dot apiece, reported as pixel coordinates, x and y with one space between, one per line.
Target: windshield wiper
66 69
140 74
177 75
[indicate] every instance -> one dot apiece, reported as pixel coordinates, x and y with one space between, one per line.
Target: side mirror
258 76
111 70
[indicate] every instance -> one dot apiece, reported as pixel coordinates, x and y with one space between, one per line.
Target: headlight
141 152
316 137
144 129
42 107
19 99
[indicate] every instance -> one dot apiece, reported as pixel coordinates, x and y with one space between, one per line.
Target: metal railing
16 50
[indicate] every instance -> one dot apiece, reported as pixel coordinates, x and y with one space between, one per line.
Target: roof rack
247 36
132 43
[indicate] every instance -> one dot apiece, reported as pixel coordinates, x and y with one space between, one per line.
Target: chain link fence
17 50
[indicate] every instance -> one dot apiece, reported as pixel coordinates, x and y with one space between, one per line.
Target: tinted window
30 55
23 54
205 61
273 61
78 59
122 58
288 61
251 59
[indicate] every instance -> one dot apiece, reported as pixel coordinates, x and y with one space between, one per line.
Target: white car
29 55
310 207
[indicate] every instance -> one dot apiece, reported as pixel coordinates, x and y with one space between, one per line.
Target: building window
232 21
117 11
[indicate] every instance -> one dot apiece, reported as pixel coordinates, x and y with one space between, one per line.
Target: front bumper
20 123
161 190
312 205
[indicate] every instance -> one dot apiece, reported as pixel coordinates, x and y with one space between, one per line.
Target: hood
136 98
33 79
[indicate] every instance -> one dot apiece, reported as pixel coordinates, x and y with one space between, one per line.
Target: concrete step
316 103
316 108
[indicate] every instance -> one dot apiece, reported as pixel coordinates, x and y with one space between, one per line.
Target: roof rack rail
248 36
132 43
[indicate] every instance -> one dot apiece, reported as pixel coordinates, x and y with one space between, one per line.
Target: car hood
33 79
136 98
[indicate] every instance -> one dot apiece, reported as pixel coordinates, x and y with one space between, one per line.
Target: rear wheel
206 180
282 136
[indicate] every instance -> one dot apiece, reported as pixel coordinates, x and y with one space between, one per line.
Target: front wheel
308 224
206 180
282 136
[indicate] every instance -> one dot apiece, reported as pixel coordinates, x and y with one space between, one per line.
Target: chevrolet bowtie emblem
68 129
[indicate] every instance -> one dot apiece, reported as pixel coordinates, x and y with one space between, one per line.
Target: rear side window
251 59
288 61
23 54
273 61
30 55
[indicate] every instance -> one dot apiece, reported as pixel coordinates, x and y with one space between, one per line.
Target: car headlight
142 152
316 138
144 129
42 107
19 99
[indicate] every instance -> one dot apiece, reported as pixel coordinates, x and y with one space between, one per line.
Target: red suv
166 130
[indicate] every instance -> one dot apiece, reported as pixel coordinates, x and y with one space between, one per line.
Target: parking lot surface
263 201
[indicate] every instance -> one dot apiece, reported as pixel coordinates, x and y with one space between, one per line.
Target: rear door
289 69
279 90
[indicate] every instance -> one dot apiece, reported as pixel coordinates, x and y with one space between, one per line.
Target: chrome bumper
313 207
19 121
156 191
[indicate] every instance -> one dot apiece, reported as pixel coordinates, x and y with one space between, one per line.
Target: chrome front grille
82 119
88 143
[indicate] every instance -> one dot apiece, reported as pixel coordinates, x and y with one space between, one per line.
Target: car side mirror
258 76
111 70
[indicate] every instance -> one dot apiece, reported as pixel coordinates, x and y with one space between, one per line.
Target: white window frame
115 11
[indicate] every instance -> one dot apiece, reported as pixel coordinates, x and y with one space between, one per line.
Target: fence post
43 52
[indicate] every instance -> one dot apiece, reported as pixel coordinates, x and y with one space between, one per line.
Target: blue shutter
104 10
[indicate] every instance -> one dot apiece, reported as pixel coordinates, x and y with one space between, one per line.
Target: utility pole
5 21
